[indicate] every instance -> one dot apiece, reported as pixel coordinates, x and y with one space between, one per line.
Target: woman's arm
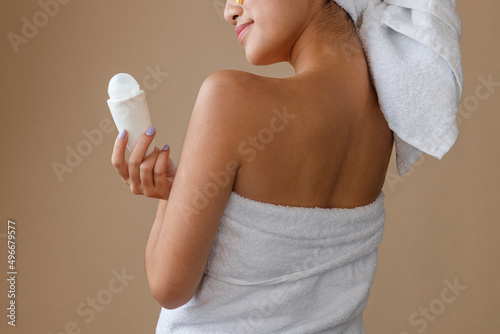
155 231
184 228
181 240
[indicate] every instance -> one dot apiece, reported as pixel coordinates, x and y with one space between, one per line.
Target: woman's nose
232 11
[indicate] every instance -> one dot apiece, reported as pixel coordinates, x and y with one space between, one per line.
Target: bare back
311 142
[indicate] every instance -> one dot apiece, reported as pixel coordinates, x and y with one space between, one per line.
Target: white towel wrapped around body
284 270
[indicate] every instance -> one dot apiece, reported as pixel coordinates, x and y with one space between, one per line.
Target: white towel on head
413 52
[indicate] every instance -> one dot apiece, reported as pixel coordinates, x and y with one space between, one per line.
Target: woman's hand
153 176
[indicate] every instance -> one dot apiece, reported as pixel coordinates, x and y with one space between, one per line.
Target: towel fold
413 52
282 269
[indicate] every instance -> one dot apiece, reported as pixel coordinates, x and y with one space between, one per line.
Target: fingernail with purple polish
166 147
151 131
122 134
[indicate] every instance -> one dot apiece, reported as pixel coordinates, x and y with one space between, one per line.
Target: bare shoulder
222 95
238 98
224 113
235 84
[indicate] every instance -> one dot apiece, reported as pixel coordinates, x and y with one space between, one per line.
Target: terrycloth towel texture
284 270
412 48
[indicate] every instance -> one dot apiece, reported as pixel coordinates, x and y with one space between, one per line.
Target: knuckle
135 190
133 163
144 168
115 162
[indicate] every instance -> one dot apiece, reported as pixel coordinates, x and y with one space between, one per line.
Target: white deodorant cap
123 86
129 108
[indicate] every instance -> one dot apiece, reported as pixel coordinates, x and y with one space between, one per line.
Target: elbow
168 303
170 289
169 298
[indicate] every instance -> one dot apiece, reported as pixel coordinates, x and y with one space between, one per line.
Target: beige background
442 217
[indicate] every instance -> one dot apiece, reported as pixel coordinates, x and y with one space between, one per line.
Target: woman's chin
259 59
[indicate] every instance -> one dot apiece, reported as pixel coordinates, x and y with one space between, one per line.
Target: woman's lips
241 30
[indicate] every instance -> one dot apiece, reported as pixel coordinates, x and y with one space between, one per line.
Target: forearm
155 232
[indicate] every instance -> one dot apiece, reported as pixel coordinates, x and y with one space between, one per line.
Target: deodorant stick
129 108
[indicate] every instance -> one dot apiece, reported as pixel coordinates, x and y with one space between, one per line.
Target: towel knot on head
413 53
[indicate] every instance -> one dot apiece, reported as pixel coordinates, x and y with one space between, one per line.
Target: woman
315 144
